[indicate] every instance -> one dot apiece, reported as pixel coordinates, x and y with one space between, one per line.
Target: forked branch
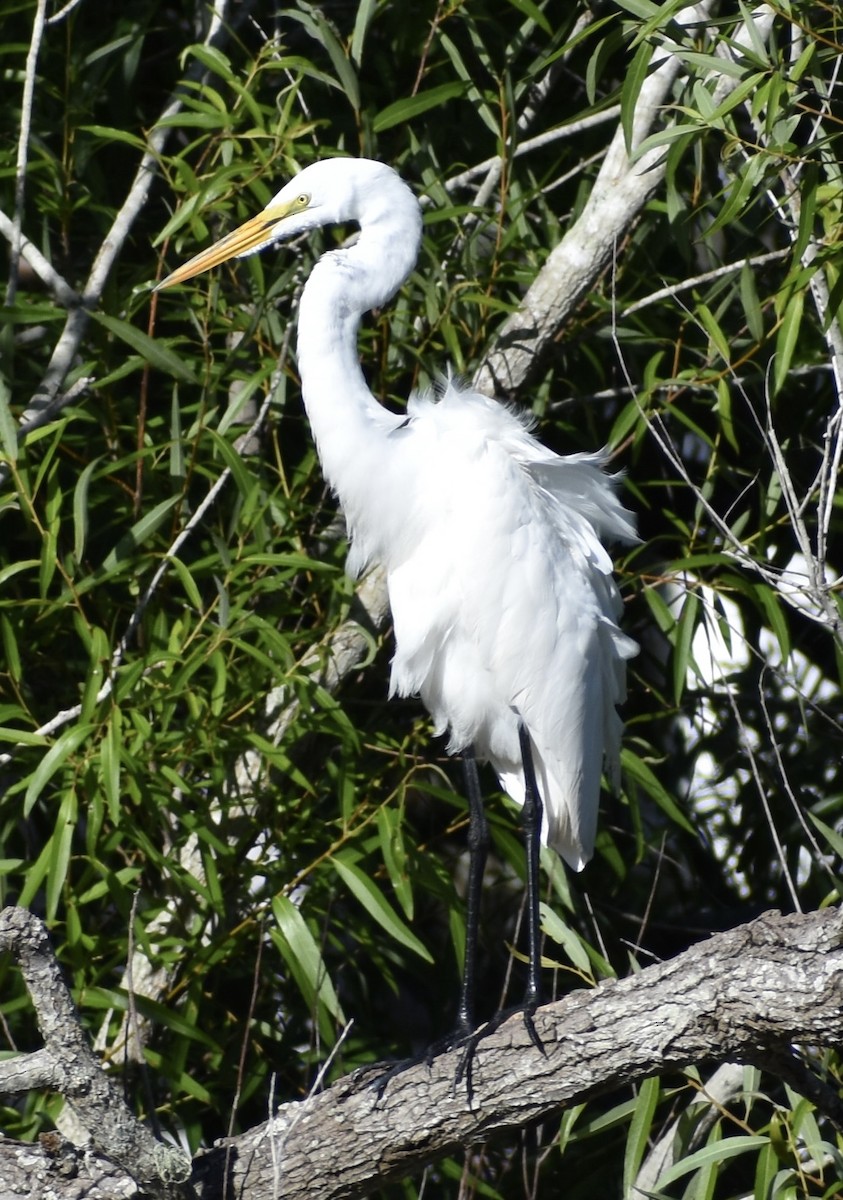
749 995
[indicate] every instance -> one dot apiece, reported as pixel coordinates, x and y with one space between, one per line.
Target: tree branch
67 1064
748 995
623 185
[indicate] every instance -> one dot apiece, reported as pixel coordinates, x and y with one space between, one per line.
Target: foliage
282 886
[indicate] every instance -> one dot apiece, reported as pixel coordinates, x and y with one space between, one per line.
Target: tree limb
68 1065
748 995
623 185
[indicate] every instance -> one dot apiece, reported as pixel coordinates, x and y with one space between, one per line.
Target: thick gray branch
748 995
739 995
76 1072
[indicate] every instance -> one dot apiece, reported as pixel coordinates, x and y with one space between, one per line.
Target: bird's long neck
348 423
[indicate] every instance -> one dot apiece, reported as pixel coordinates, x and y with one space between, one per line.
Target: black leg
478 848
531 817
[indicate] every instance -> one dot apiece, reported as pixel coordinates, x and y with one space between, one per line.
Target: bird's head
328 192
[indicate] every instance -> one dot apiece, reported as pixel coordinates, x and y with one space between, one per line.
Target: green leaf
639 1131
110 134
633 82
562 934
395 856
157 354
365 12
304 958
214 60
751 303
717 1152
187 581
834 839
773 609
110 764
320 28
724 412
412 106
533 13
80 510
686 627
100 655
377 905
59 857
137 535
21 737
8 426
642 774
718 338
66 744
645 9
786 339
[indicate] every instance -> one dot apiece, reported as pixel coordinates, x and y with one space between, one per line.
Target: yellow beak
251 235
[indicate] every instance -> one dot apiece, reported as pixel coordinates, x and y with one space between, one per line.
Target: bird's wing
505 606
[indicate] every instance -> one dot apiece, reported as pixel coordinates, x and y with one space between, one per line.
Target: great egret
504 606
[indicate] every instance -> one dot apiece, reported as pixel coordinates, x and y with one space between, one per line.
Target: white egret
504 605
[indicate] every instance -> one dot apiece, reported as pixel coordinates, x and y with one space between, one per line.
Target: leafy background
281 855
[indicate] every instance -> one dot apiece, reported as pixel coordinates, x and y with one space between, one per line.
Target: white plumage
501 590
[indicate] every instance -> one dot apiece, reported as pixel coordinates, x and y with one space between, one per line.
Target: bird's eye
303 200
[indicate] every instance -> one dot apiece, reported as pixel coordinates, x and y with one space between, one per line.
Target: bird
504 605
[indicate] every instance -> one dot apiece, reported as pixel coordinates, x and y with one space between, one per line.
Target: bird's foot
466 1042
443 1045
472 1041
379 1082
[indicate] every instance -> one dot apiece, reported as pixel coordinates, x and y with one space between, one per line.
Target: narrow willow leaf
834 839
639 1131
642 774
66 744
80 510
100 654
365 12
641 8
304 957
786 339
377 905
177 467
10 648
724 412
533 14
411 106
751 303
188 582
137 535
214 60
773 609
710 325
633 82
8 428
157 354
395 857
686 627
556 929
110 134
718 1152
320 28
59 859
110 764
21 737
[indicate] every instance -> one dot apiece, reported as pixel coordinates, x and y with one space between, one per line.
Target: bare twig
27 102
48 400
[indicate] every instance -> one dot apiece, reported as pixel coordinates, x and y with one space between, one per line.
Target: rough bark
749 995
